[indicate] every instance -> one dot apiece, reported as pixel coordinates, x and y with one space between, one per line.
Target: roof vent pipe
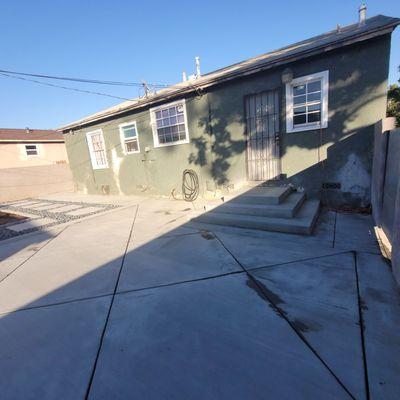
362 15
184 76
27 130
197 59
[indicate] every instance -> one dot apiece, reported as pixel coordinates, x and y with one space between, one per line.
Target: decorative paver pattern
50 212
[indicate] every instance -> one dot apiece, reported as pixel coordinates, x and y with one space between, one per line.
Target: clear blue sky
151 40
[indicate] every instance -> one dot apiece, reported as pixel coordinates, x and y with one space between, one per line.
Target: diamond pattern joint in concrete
212 339
319 298
160 309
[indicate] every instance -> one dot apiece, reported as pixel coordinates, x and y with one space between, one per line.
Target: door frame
278 89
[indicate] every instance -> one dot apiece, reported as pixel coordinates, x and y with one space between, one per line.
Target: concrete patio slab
205 340
9 265
35 223
175 259
320 299
274 248
83 261
159 217
381 312
48 353
24 246
356 232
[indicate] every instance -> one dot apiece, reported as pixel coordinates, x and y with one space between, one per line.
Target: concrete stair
277 209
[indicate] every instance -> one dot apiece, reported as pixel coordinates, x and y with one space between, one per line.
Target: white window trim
91 150
32 144
154 125
324 77
123 139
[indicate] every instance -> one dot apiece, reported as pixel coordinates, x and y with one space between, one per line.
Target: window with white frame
97 149
170 124
129 137
307 102
31 150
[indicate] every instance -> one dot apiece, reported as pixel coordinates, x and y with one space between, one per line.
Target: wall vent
331 185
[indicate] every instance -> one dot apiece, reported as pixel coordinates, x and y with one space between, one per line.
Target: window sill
307 128
171 144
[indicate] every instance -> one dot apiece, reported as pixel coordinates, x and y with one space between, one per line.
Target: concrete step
287 209
303 223
261 195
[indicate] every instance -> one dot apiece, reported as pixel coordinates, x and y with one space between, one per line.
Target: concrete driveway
140 303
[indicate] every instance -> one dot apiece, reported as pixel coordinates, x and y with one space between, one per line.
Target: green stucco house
303 114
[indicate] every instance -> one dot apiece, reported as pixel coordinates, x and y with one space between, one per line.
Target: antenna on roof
146 88
198 74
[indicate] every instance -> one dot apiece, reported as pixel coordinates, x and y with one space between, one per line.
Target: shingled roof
30 135
344 36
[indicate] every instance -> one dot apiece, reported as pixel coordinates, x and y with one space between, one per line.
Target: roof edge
209 82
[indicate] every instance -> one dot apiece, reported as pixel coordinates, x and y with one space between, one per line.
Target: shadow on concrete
62 343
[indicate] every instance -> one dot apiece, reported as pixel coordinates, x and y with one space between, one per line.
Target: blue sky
152 40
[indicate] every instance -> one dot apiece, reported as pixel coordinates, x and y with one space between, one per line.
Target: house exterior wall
341 153
13 155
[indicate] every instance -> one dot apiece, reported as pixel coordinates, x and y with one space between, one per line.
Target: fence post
396 238
378 169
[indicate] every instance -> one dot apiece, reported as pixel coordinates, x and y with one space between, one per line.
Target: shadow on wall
217 148
340 155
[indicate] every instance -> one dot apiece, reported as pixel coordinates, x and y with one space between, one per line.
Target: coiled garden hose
190 185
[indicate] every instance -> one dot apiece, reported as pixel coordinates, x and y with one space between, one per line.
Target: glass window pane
314 96
314 86
299 119
299 89
129 131
314 107
171 124
299 110
132 146
299 99
314 117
